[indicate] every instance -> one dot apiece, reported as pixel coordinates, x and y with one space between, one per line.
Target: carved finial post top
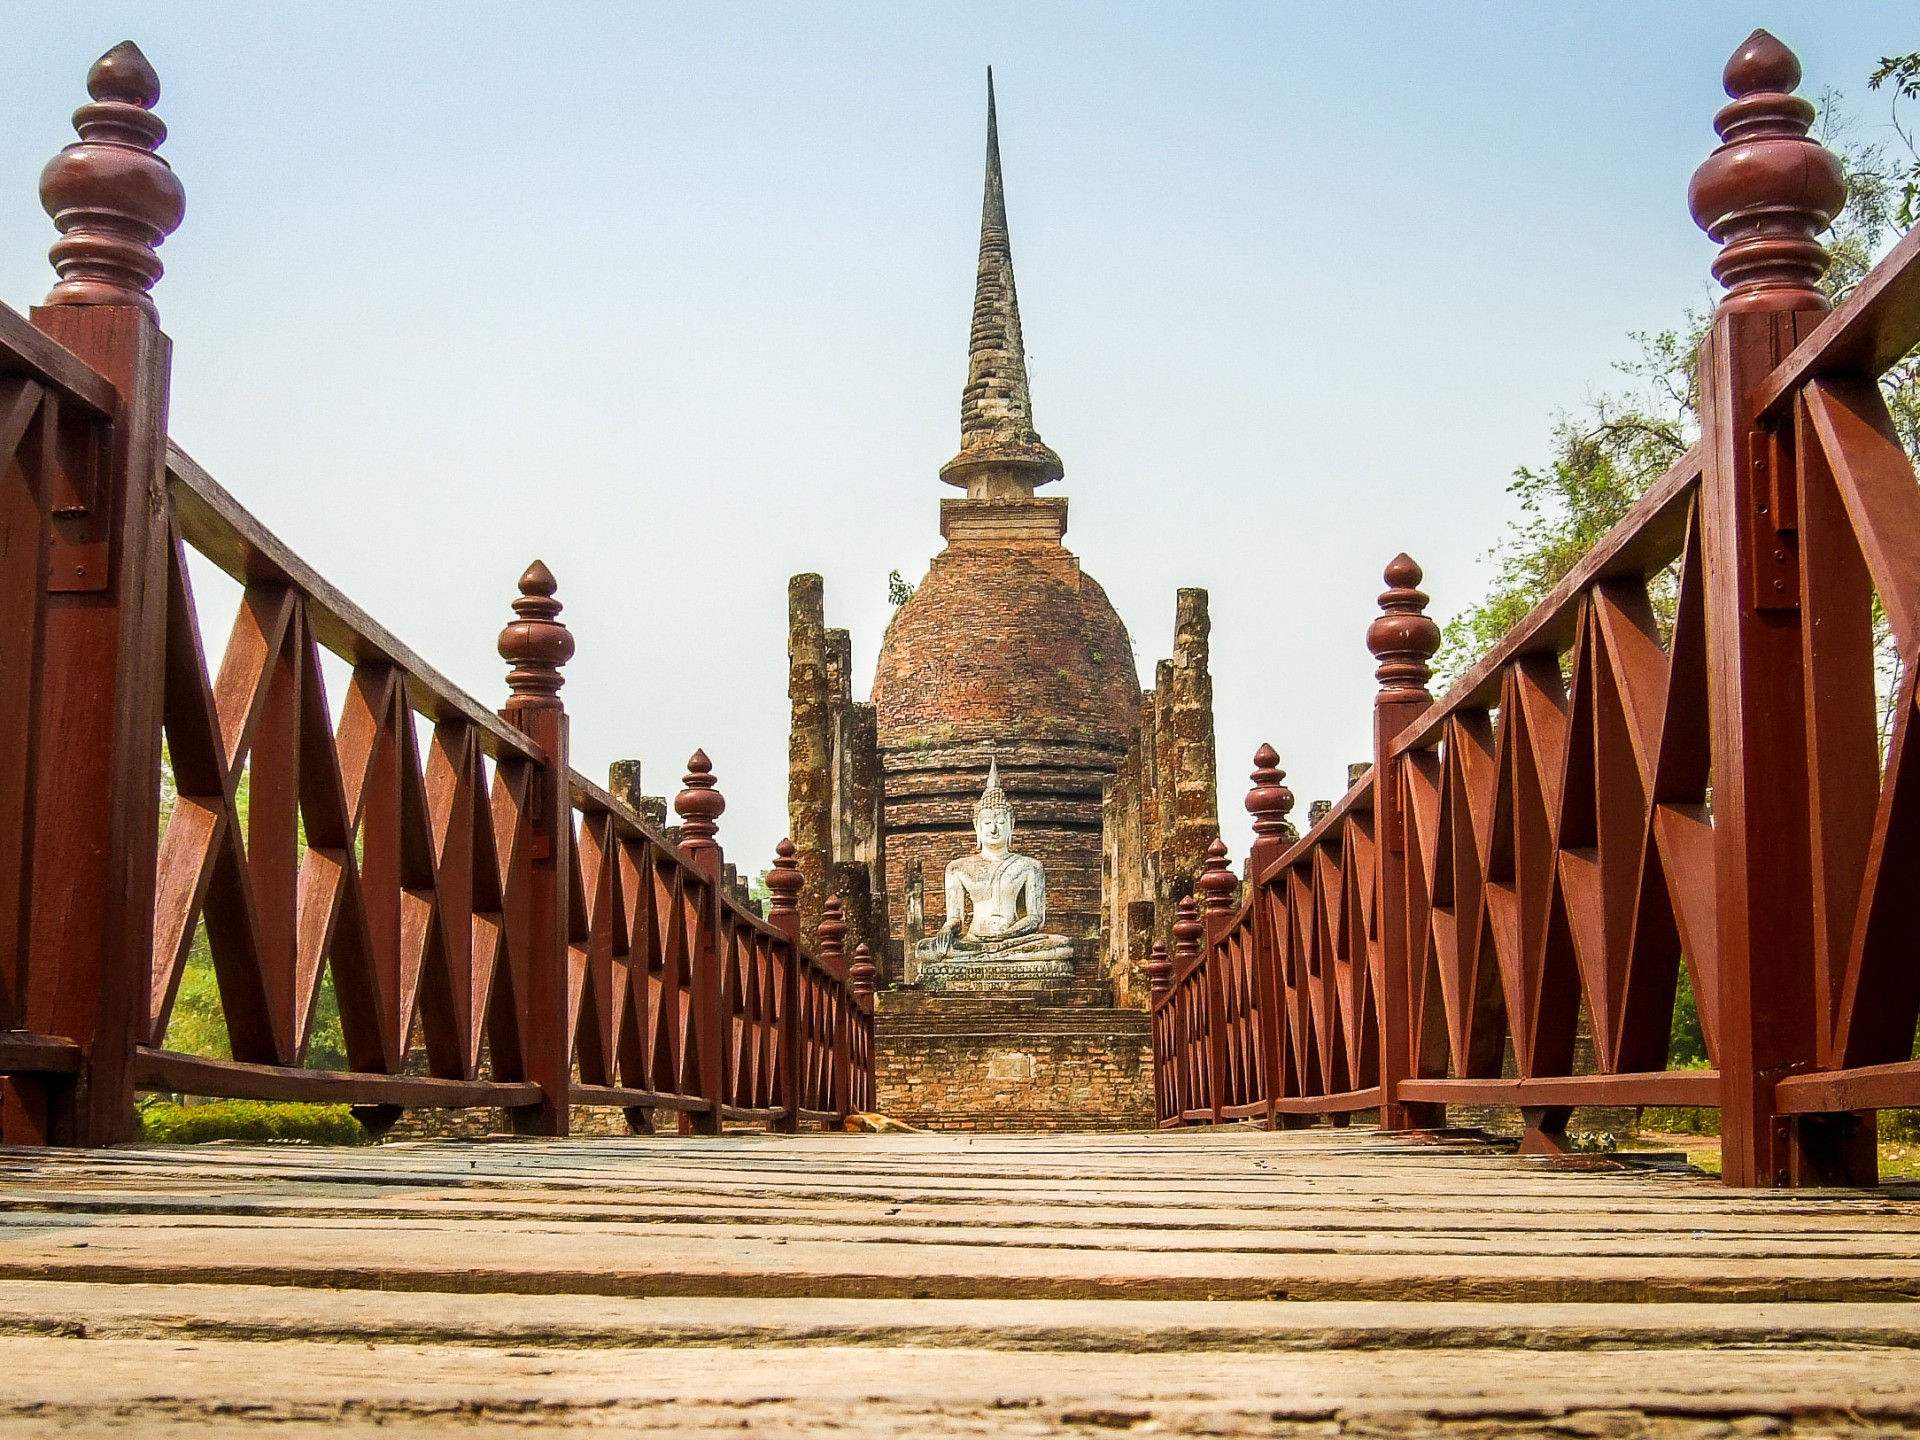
1187 931
1159 970
784 881
1269 801
1770 189
1401 637
833 930
860 974
1761 63
699 806
111 197
1217 883
535 643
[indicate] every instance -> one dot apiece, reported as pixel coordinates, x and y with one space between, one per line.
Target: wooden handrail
1870 332
1359 796
1648 537
25 350
223 530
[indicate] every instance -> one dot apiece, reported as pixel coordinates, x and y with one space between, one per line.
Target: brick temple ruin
1007 654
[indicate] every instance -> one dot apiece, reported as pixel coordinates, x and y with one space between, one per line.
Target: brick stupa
1006 653
1006 650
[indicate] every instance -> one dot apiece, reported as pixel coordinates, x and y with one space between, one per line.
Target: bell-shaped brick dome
1005 645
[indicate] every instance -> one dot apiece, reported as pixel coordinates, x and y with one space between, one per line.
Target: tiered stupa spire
1002 456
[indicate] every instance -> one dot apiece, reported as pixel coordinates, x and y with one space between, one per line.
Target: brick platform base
1052 1060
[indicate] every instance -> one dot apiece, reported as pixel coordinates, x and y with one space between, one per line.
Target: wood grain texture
555 1282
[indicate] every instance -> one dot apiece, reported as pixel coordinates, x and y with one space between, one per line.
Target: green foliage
165 1123
1680 1119
1687 1047
1903 73
899 589
1604 459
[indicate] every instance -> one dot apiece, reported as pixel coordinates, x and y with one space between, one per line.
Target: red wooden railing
1612 794
499 931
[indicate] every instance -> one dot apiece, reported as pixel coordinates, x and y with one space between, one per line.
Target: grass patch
1681 1119
165 1123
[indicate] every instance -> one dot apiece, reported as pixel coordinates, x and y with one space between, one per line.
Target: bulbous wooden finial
1216 883
1401 637
1769 189
112 199
833 930
1187 931
1159 971
699 806
1269 801
860 975
784 882
535 644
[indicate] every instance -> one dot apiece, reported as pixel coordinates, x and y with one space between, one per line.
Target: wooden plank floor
1230 1282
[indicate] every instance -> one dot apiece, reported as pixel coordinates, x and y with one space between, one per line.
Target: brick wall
1013 1062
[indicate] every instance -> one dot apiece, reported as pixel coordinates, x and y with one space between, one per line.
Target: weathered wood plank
228 1312
1466 1226
1222 1392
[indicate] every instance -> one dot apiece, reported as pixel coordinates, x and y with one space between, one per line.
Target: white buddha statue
1004 942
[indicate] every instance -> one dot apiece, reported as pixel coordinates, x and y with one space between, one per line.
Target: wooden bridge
1229 1281
1614 793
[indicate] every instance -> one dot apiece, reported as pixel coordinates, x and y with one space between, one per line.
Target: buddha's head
993 816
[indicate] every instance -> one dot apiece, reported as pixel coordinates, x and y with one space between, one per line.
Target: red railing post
784 883
1203 1084
535 646
1403 639
1216 886
1764 195
860 977
95 802
1159 985
1268 802
833 933
700 806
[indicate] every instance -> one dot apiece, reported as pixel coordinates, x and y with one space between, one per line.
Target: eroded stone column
1195 780
809 747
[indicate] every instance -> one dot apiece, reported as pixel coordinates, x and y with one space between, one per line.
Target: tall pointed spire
1001 455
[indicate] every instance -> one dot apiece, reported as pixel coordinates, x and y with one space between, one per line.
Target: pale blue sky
675 297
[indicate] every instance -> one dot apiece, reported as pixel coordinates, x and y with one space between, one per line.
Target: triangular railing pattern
1679 766
495 930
